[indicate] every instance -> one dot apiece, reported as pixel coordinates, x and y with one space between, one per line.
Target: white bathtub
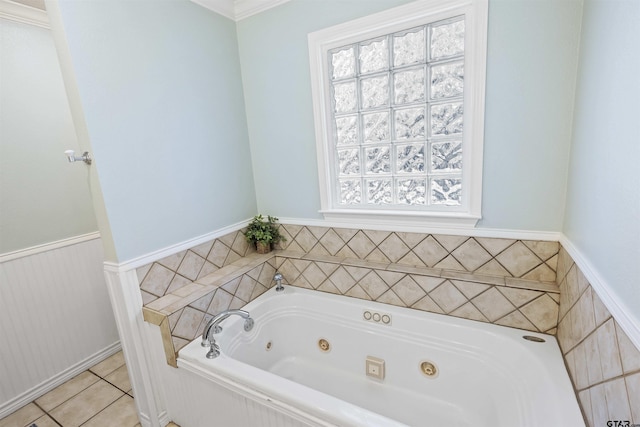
487 375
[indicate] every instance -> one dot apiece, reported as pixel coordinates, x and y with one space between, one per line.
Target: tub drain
268 346
532 338
324 345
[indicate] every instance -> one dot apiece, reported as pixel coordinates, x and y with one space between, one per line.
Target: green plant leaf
261 230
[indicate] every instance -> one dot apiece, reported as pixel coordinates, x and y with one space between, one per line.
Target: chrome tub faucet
213 327
278 278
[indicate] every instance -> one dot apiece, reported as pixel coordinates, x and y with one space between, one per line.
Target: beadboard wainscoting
55 317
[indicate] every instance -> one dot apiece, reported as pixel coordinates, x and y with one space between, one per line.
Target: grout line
587 336
109 382
100 378
579 296
46 413
436 302
629 401
480 311
576 392
617 377
532 322
103 409
70 397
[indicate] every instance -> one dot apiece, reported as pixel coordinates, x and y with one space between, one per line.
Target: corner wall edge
617 308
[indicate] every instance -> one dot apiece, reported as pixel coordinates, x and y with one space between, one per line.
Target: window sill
402 220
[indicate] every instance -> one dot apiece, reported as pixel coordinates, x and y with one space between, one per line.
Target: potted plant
264 233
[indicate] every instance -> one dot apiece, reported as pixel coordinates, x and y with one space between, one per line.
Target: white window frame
397 19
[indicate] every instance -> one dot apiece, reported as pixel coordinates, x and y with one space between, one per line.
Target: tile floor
99 397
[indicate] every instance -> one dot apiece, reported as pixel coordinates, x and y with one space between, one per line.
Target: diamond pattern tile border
526 259
436 273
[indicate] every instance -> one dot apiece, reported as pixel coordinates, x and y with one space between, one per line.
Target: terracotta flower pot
263 247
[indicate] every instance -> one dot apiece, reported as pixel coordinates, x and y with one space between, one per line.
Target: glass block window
397 114
398 103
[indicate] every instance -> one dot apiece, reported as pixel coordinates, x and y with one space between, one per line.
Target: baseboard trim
145 420
44 387
164 418
616 307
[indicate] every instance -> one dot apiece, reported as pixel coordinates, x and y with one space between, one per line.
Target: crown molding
24 14
247 8
225 8
238 9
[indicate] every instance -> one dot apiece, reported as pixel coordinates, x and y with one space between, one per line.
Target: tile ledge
153 313
235 269
532 284
427 271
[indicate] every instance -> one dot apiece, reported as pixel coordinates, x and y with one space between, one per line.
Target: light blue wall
43 198
531 67
603 203
275 72
161 92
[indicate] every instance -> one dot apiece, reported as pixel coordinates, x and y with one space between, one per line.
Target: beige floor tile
66 391
108 365
22 417
86 404
46 421
121 413
120 378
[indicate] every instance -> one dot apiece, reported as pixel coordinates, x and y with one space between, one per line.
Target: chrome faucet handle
278 276
214 351
248 324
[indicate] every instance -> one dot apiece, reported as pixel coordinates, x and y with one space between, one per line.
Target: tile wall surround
604 365
501 281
